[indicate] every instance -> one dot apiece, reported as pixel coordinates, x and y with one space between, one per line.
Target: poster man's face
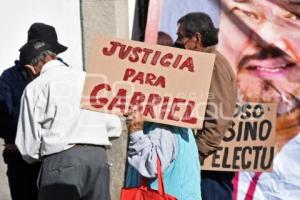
261 39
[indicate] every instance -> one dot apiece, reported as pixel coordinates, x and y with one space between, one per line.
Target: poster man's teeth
277 69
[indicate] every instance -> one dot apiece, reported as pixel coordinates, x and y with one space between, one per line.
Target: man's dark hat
46 33
32 49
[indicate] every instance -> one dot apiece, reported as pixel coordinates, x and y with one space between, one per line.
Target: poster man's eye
249 14
291 16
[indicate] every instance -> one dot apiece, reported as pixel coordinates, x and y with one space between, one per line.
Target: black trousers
22 177
79 173
216 185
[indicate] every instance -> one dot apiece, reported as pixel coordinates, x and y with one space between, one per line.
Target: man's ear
31 70
198 38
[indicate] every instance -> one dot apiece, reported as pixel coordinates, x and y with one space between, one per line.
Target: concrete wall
104 17
108 17
4 190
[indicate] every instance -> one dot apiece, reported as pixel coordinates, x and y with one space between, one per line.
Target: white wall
17 16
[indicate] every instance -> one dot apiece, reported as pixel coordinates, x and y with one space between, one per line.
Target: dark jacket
221 101
12 83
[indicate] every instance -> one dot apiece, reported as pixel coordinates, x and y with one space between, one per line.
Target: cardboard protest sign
165 84
249 143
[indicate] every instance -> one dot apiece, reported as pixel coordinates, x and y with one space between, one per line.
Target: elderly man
70 142
196 32
21 175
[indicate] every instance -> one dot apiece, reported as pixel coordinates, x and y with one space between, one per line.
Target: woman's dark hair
202 23
164 39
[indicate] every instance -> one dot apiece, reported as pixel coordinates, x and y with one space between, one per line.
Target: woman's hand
134 121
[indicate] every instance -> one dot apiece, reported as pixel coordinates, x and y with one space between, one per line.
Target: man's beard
284 93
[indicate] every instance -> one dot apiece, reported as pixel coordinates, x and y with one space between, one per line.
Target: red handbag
143 192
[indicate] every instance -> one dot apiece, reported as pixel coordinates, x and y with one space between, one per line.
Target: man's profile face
261 39
184 40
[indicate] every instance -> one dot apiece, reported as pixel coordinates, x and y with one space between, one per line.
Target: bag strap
161 187
160 181
144 181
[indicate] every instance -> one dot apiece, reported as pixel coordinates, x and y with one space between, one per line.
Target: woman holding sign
176 149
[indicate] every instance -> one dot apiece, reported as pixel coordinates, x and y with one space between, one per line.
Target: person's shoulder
13 72
36 89
36 85
7 72
32 85
221 57
15 68
222 63
64 75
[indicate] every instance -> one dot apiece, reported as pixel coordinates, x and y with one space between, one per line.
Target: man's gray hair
42 57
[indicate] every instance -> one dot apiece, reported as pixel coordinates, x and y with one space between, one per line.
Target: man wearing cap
70 142
21 176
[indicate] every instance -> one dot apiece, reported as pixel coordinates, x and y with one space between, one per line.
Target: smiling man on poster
264 50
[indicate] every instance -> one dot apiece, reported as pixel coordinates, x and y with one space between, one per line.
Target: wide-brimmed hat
32 49
46 33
